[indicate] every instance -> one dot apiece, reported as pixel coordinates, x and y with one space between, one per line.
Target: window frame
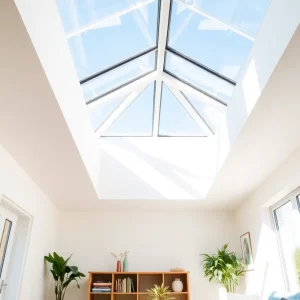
189 59
10 224
293 198
125 61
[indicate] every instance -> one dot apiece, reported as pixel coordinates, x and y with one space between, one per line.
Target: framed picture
247 251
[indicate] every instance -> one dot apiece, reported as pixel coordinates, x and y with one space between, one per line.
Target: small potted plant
62 274
224 267
159 292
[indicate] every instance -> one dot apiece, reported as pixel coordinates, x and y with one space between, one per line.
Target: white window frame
295 204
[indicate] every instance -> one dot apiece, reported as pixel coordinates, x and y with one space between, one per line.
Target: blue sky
116 36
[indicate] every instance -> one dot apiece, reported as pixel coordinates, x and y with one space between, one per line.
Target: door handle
2 285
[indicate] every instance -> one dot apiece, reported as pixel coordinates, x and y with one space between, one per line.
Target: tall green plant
224 267
62 274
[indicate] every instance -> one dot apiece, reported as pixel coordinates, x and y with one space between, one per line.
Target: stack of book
124 285
101 287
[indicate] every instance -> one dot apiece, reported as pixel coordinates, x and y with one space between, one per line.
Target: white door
8 224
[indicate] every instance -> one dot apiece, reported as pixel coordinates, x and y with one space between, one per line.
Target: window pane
101 110
137 119
288 226
244 15
198 77
116 77
214 44
4 243
209 114
104 33
174 120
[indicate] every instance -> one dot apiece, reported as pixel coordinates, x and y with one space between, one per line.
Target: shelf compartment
100 296
121 276
125 296
169 278
147 281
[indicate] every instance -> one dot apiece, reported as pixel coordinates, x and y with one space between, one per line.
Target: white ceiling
45 125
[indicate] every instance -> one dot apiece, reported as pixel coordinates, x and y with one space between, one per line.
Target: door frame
10 204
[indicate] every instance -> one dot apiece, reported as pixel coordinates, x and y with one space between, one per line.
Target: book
102 284
101 290
124 285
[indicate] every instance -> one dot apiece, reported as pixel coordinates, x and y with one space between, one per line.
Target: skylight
159 67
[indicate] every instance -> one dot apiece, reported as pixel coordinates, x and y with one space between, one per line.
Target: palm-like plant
159 292
62 274
224 267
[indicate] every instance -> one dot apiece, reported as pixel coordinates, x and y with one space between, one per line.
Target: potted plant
62 274
224 267
159 292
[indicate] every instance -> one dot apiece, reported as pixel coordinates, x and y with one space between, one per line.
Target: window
4 243
287 225
118 45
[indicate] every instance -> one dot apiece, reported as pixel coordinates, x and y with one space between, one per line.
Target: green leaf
74 269
54 275
67 282
48 259
56 268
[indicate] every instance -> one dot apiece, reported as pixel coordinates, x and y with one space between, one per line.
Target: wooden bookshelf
142 281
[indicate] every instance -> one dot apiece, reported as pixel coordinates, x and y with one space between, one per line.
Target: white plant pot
177 285
223 295
234 296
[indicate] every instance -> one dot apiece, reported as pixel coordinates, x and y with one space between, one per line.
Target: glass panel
209 114
116 77
137 119
288 226
103 109
198 77
244 15
4 243
214 44
104 33
174 120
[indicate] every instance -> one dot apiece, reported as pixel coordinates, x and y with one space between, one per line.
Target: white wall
254 216
18 186
284 20
156 241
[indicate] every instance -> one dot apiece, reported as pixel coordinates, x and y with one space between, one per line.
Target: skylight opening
194 50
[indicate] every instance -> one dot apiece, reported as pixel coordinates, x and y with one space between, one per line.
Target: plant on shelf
62 274
224 267
159 292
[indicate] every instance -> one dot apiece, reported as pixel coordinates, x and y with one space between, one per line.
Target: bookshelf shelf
100 293
115 293
141 281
